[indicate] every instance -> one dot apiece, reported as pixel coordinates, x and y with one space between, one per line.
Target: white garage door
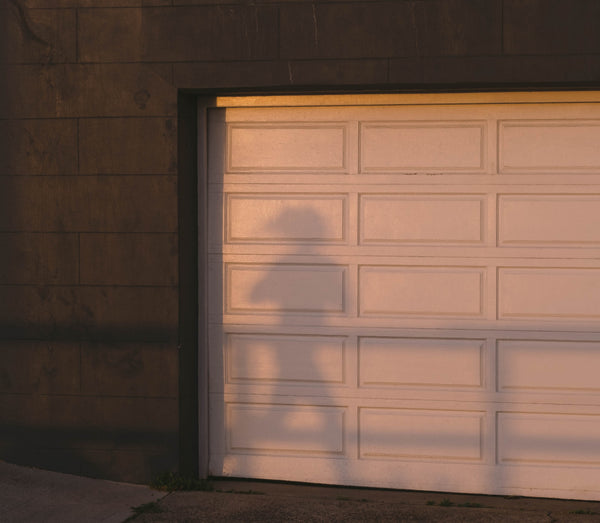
407 295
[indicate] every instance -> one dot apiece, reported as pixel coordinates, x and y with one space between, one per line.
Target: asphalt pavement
32 495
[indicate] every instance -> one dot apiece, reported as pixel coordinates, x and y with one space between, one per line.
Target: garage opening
404 291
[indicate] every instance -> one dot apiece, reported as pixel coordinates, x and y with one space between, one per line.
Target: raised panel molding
422 146
285 218
548 366
542 146
540 219
420 362
421 291
421 218
274 428
287 147
420 434
285 288
560 294
284 359
552 439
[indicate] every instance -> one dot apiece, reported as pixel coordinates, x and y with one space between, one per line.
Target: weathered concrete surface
254 501
33 495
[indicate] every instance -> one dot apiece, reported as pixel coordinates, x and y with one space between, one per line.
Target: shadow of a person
291 356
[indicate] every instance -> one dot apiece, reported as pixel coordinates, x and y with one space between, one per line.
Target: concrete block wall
96 220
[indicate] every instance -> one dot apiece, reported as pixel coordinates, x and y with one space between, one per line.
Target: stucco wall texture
90 165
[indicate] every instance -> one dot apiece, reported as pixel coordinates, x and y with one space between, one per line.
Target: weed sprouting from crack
448 503
147 508
234 491
585 512
171 481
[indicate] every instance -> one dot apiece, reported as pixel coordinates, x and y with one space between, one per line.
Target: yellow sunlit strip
412 99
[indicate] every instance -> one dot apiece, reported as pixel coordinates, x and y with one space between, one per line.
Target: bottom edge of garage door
460 478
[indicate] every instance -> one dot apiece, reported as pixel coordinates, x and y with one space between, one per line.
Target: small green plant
147 508
170 481
234 491
586 512
447 503
346 498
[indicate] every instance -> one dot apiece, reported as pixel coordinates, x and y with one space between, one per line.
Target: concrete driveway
29 495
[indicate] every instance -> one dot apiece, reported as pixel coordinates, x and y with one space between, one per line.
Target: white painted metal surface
407 295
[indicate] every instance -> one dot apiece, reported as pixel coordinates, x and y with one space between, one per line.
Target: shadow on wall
134 456
283 368
301 288
289 348
101 409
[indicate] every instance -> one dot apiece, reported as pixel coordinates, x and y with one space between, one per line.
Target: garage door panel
548 366
420 434
421 218
287 147
539 219
422 146
543 146
285 359
285 288
421 291
554 439
285 218
563 294
422 362
276 428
